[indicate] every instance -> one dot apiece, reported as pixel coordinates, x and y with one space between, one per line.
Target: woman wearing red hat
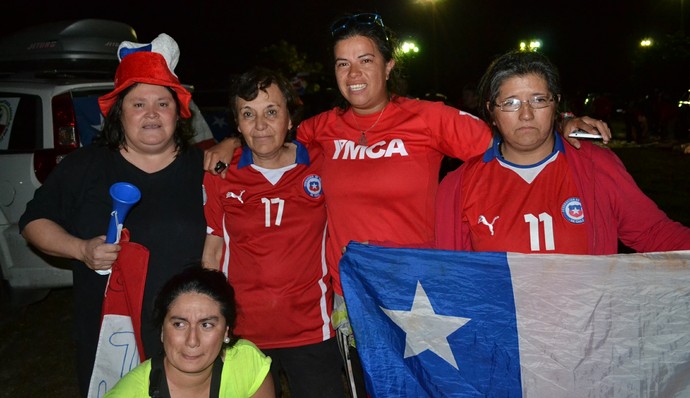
145 141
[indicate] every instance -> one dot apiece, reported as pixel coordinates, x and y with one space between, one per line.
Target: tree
284 57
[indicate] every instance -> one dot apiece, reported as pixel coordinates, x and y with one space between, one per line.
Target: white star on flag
425 329
99 126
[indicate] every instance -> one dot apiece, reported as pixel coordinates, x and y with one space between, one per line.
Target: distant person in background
267 230
469 101
530 193
635 122
602 107
668 116
145 141
194 314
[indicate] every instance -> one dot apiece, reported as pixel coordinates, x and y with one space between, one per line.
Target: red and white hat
150 63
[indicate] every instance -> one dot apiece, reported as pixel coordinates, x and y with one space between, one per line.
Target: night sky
592 42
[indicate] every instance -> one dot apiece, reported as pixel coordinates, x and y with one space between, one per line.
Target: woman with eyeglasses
531 193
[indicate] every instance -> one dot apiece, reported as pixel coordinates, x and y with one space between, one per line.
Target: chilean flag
434 323
119 341
88 118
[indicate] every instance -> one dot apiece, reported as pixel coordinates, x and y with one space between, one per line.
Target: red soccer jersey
385 190
535 209
274 249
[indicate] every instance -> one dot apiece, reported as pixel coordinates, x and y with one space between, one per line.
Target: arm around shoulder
220 153
456 133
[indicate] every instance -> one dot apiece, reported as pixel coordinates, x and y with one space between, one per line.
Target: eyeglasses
536 102
365 19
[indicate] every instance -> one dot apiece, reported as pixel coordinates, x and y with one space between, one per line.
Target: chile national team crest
572 211
312 185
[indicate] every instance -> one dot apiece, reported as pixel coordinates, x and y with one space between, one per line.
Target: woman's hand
97 254
217 158
588 124
344 248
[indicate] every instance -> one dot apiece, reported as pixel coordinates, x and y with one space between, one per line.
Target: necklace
363 133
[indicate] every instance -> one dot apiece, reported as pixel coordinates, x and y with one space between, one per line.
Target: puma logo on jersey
482 220
346 149
236 196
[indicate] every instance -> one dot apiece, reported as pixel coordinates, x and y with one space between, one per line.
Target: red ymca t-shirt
385 190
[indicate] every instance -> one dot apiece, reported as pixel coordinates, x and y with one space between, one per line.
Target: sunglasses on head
365 19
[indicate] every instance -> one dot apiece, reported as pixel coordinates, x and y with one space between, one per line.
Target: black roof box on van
64 45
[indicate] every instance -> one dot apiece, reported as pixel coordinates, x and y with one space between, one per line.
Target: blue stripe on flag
432 323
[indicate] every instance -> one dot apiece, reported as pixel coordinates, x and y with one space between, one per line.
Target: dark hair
514 63
196 279
113 133
247 87
385 41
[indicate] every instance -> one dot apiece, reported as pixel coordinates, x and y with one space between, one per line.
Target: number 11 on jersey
547 221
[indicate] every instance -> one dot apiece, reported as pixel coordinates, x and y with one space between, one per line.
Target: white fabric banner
116 355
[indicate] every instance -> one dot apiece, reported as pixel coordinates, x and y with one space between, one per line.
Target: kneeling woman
195 312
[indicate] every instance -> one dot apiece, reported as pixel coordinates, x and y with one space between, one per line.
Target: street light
646 42
533 45
408 47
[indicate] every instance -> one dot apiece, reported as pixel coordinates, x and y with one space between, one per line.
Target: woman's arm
586 123
266 390
52 239
213 249
220 153
642 225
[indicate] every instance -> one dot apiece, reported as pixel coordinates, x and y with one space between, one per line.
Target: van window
20 122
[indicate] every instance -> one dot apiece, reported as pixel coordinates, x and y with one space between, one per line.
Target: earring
226 340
